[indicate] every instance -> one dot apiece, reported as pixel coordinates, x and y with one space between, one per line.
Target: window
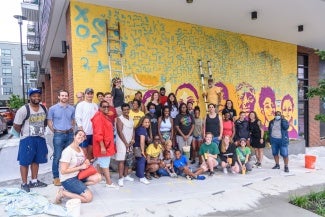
5 52
6 71
6 81
7 90
5 62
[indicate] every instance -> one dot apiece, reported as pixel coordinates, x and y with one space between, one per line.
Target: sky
8 24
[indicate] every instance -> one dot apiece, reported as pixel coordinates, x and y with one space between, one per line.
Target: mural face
164 53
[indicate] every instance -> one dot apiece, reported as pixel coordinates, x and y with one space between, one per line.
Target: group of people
156 139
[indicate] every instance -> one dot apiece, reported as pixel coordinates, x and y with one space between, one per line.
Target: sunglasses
105 107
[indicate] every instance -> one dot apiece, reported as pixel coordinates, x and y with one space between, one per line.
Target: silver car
3 125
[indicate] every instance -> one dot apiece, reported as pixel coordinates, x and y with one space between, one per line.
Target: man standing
61 122
30 122
85 111
213 93
162 97
278 131
80 97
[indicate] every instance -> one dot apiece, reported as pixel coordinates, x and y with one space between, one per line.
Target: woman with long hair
228 156
173 105
165 126
213 124
256 137
117 94
155 100
141 135
72 161
229 108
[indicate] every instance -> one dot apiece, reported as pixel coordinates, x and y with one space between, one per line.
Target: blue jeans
140 165
277 147
60 142
216 140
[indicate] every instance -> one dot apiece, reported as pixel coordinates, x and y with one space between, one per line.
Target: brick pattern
68 60
314 103
57 77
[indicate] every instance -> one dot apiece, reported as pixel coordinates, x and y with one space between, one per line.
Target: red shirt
102 131
112 114
228 128
163 100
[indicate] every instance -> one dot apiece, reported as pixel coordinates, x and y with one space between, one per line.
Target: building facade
11 72
150 52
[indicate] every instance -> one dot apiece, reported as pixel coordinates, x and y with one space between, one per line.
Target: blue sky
8 24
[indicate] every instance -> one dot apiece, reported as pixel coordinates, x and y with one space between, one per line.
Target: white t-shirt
74 158
85 111
34 125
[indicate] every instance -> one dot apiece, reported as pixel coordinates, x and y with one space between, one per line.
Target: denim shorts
32 149
74 185
197 138
103 162
277 147
88 141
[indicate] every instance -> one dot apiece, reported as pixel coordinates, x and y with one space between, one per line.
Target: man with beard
30 122
61 122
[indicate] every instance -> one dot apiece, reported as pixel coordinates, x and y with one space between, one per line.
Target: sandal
148 176
59 196
156 176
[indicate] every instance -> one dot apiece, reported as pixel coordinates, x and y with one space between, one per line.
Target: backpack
28 114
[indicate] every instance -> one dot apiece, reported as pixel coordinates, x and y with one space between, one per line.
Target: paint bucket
310 161
73 207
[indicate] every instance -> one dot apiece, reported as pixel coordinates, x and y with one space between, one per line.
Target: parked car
8 115
3 125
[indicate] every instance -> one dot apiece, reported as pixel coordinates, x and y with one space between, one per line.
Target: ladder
115 52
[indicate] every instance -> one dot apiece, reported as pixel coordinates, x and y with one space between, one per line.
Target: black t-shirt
184 122
232 112
153 124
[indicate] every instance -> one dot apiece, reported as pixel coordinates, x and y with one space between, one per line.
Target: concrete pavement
262 192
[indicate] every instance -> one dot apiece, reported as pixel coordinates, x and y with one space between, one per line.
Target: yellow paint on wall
159 52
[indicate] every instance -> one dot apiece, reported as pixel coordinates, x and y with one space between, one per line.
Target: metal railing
33 43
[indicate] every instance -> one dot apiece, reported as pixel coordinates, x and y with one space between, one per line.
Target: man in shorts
32 146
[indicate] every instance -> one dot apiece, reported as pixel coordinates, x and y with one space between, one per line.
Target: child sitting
243 153
181 167
167 164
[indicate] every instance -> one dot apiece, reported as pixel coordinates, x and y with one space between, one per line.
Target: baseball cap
242 139
34 90
89 90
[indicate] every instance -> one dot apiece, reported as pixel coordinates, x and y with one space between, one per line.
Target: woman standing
229 108
184 125
72 161
256 137
197 135
117 94
103 141
124 142
213 124
172 105
165 126
155 100
228 127
141 136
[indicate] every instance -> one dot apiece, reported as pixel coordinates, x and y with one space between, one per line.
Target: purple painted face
247 102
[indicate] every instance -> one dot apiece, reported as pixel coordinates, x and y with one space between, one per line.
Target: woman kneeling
72 161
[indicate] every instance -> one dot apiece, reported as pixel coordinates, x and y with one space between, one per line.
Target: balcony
33 48
30 9
31 29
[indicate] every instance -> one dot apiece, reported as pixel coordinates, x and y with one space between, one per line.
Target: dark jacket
284 130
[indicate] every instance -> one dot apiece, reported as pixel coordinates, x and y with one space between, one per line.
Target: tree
15 102
319 90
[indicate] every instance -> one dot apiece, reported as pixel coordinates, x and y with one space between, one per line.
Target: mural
252 72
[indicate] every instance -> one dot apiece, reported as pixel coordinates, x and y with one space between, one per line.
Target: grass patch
314 202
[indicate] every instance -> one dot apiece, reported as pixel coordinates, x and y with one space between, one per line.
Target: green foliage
319 90
15 101
314 202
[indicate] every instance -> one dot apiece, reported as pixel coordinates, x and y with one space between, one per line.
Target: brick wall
57 78
47 98
314 103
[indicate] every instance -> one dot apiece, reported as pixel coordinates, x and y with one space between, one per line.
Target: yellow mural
256 74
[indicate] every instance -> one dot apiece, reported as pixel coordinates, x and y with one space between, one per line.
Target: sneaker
144 181
56 182
225 171
128 178
233 172
25 187
200 177
188 177
120 182
193 162
259 165
173 175
37 184
286 169
113 185
277 166
211 173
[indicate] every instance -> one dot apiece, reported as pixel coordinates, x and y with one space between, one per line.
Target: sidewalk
263 192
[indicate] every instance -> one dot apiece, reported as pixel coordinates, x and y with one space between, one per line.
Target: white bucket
73 207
